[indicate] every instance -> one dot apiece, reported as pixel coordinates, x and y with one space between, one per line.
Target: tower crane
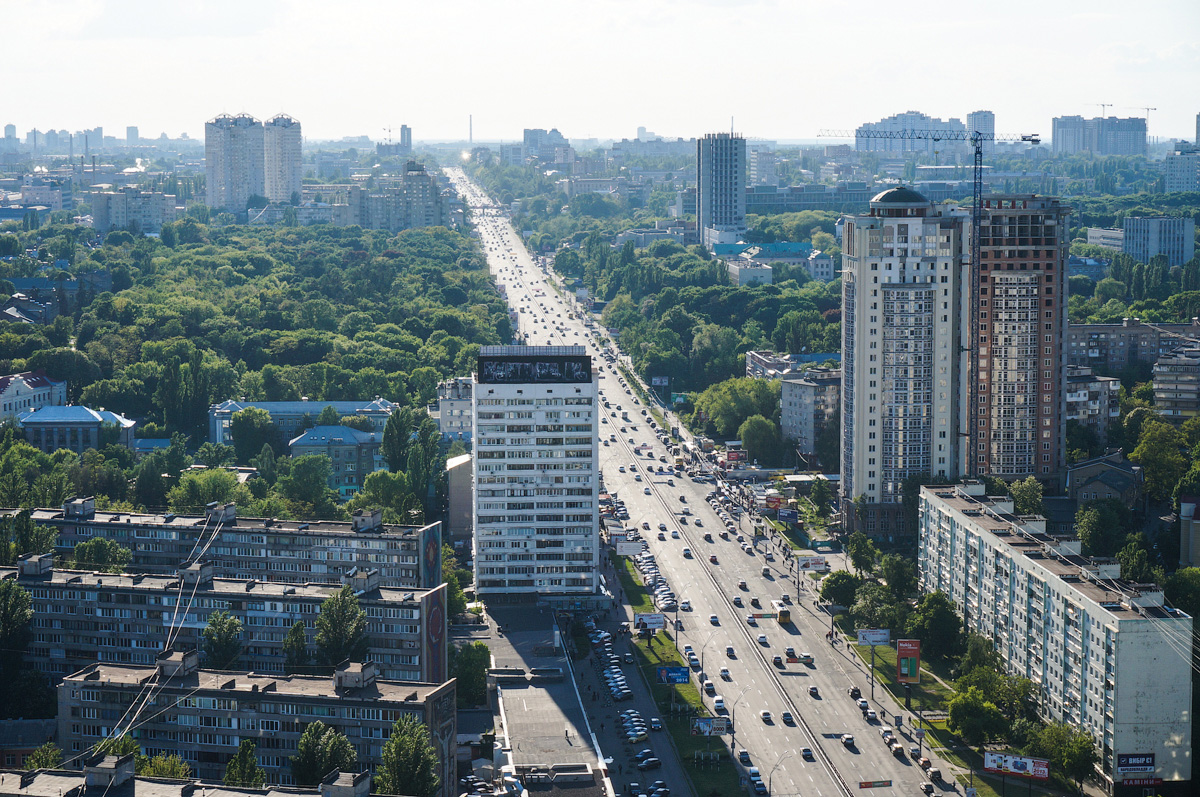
976 140
1103 107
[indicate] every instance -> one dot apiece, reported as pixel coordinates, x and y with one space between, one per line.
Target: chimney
36 564
346 784
178 662
107 771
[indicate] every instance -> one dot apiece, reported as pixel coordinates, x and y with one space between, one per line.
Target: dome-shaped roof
899 196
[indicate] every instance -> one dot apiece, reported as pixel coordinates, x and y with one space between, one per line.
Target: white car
685 606
762 640
765 715
718 704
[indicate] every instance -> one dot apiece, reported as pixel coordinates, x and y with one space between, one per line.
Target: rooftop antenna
731 125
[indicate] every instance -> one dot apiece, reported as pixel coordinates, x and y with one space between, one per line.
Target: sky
775 69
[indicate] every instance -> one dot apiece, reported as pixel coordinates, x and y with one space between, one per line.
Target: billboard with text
629 548
809 564
1038 768
908 661
789 516
874 636
655 621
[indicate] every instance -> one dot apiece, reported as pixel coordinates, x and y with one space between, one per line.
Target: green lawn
929 693
631 582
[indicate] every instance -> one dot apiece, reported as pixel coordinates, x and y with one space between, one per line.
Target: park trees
410 761
221 641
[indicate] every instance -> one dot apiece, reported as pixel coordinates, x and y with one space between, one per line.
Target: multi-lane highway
816 695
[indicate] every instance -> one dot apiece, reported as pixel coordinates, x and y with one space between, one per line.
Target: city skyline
1103 54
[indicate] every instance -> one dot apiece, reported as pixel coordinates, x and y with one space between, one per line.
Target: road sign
874 636
656 621
766 615
874 784
920 733
672 675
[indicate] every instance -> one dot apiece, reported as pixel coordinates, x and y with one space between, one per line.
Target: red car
713 558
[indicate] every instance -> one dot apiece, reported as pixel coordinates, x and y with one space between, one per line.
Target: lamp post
704 648
733 720
771 774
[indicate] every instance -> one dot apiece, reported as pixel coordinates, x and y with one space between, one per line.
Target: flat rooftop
187 522
61 783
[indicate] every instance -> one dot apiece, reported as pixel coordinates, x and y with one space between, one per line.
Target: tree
840 587
321 750
862 552
307 483
221 641
329 416
1101 526
119 745
937 625
251 429
215 455
760 439
821 496
296 657
410 761
1027 496
341 629
471 663
1071 751
243 770
101 554
976 719
198 488
899 574
1163 463
979 652
164 766
16 617
48 756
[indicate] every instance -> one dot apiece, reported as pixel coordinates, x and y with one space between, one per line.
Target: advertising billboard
1038 768
735 456
710 726
655 621
659 381
629 548
809 564
874 636
789 516
434 666
774 501
1135 762
672 675
908 661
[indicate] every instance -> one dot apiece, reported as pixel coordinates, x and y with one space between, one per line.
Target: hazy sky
784 69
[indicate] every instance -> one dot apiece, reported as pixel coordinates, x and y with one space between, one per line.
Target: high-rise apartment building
1182 168
905 335
1019 429
1172 236
762 166
536 466
406 139
1099 136
131 136
1105 655
281 158
233 161
908 121
721 188
983 122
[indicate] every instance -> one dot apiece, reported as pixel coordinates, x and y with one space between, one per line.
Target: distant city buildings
233 161
877 136
1112 347
128 208
1177 384
1182 169
983 122
743 272
761 166
1148 236
1092 401
1106 237
542 144
290 416
720 195
1099 136
281 158
353 455
453 413
75 428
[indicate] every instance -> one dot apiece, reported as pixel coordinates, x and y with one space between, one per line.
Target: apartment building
1111 347
1020 428
1105 655
808 402
130 209
266 549
414 200
536 515
1182 169
74 428
203 715
1177 384
905 344
867 138
984 122
1172 236
282 162
354 455
453 414
1099 135
233 161
29 390
1092 401
290 416
80 617
1107 237
721 188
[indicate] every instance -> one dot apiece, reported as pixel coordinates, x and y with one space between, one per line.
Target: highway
754 683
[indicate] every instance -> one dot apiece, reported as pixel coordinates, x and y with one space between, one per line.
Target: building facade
808 403
131 209
1182 169
281 158
983 122
454 408
29 390
294 552
1092 401
536 514
1106 237
203 715
1177 384
74 428
1111 347
81 617
354 455
290 416
867 137
744 272
721 188
1146 237
904 354
1104 654
233 161
1099 136
1020 428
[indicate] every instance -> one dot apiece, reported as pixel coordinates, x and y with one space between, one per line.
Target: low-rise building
292 417
203 715
29 390
21 308
772 365
453 413
748 272
808 402
19 738
74 428
1107 237
1109 476
1111 347
820 266
267 549
1093 401
1105 655
1177 384
81 617
354 454
1171 236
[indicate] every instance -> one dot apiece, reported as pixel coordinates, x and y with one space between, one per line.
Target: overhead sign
1135 762
659 381
1038 768
811 563
672 675
908 661
655 621
629 548
789 516
710 726
874 636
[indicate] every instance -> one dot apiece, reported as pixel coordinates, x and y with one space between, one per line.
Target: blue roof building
289 416
353 453
73 427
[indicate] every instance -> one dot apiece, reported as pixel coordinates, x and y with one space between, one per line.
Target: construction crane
1103 106
976 140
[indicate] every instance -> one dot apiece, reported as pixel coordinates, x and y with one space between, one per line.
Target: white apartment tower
983 122
233 161
721 184
281 158
536 473
904 353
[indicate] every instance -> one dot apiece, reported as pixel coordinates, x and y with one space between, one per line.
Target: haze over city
780 69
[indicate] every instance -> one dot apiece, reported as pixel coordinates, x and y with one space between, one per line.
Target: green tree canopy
48 756
296 657
937 625
243 770
899 574
251 429
101 554
760 439
862 552
1027 496
1101 525
1159 452
840 587
164 766
1070 751
471 663
221 641
975 718
410 761
321 750
341 629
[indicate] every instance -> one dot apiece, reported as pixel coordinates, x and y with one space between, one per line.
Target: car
712 618
685 606
744 756
621 469
924 763
683 499
737 600
656 724
806 753
662 536
662 526
764 715
674 534
646 525
649 763
687 553
637 477
848 739
712 558
742 585
646 491
871 715
762 640
724 673
812 690
642 755
886 734
790 652
730 652
635 737
679 625
863 705
778 661
750 620
670 482
935 774
627 658
787 718
927 788
698 522
755 603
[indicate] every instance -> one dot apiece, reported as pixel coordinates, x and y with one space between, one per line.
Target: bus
783 614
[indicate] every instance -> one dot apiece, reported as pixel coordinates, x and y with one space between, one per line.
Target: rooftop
335 435
899 195
74 413
74 783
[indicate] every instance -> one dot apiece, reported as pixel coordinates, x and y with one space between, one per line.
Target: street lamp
704 648
771 774
733 720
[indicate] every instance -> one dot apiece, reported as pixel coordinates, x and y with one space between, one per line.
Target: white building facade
808 402
536 472
281 158
721 188
233 161
1105 655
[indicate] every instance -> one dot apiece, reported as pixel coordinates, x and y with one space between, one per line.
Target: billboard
659 381
655 621
431 555
735 456
1038 768
908 661
679 398
1135 762
774 501
810 563
672 675
710 726
874 636
629 548
434 666
789 516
